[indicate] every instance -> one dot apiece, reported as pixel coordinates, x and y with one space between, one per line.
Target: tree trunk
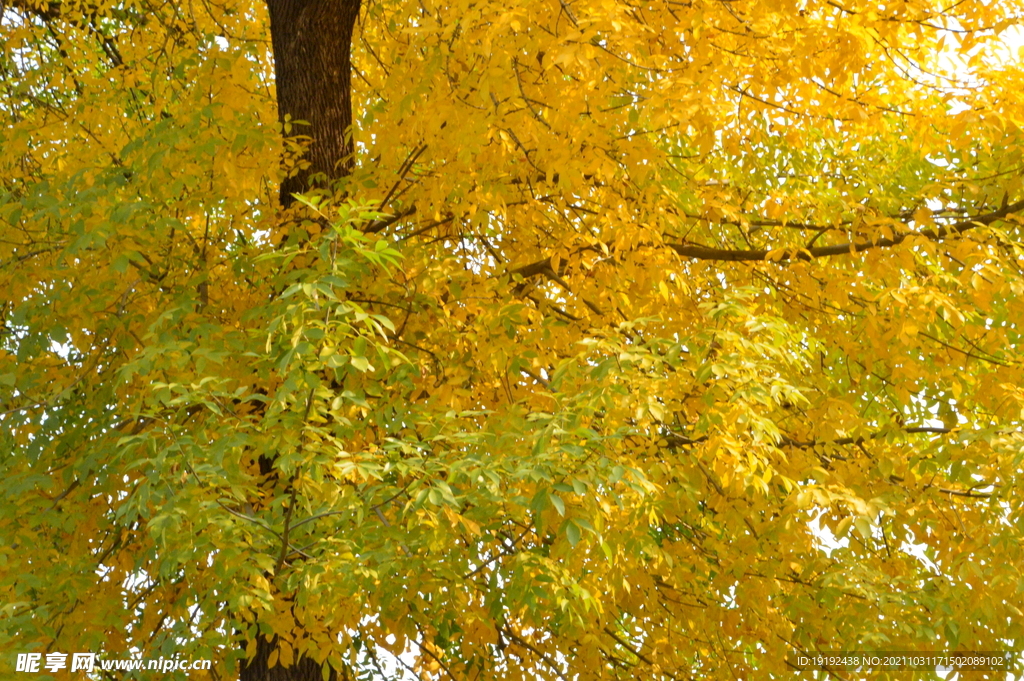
312 68
304 668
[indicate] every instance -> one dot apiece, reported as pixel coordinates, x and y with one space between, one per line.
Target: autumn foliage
644 340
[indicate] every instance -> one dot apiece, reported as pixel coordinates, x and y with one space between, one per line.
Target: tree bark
304 668
312 42
313 70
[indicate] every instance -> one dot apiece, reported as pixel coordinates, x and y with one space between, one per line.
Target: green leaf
572 532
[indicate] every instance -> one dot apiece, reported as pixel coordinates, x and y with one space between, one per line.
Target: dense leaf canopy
644 339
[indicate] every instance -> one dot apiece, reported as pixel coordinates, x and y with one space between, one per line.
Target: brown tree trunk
304 668
313 70
312 66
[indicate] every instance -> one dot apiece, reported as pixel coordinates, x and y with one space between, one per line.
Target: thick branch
698 252
677 440
797 253
842 441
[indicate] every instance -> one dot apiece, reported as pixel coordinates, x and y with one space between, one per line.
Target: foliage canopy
643 340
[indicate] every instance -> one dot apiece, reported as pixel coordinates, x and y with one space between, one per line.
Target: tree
627 340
